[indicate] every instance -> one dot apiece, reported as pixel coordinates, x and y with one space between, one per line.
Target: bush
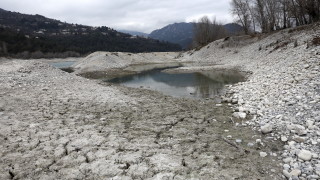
316 41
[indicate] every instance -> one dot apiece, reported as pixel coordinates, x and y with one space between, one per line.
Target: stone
284 139
299 139
300 130
286 174
239 115
250 144
310 124
305 155
263 154
295 172
267 128
288 160
286 166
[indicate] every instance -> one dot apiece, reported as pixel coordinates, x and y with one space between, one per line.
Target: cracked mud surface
55 125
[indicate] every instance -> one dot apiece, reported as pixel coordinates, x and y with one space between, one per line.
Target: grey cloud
140 15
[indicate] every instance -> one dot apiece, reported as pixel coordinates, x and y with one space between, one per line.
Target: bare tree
252 13
206 31
241 9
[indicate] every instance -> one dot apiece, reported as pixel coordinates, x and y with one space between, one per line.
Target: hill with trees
184 33
34 36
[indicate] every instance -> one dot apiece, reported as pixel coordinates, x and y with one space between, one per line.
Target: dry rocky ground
282 92
56 125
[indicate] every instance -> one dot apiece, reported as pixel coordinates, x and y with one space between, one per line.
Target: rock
263 154
288 160
284 139
286 174
315 155
305 155
238 141
250 144
310 124
267 128
295 172
300 130
299 139
286 166
240 115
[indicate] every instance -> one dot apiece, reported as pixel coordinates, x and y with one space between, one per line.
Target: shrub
316 41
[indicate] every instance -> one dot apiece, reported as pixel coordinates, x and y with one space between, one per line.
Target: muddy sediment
56 125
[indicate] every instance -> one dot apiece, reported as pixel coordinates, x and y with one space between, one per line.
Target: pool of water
207 84
65 64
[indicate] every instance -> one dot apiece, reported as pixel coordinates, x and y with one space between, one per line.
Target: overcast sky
138 15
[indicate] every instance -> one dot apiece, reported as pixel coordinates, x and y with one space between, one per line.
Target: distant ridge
134 33
182 33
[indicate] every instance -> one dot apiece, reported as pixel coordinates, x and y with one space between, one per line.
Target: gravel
282 89
55 125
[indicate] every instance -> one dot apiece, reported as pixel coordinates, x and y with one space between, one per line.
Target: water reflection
195 85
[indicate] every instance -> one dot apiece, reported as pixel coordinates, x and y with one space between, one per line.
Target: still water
64 64
208 84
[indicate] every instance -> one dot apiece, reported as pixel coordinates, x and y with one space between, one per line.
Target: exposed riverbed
57 125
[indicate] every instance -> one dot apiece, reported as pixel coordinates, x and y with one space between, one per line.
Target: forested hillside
36 36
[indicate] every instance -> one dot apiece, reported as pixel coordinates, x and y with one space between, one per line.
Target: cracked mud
55 125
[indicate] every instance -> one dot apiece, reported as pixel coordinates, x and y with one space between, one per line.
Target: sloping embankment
104 61
282 93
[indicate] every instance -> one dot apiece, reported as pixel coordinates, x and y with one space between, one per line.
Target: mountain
134 33
182 33
24 35
179 33
233 28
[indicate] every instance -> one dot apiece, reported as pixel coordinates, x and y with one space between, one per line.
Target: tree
241 9
206 31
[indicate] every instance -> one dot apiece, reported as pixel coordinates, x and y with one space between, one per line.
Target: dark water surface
207 84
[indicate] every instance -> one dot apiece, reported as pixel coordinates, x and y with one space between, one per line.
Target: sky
138 15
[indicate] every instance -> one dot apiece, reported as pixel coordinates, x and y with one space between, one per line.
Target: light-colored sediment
55 125
103 61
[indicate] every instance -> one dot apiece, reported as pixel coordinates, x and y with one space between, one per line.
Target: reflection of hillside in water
201 85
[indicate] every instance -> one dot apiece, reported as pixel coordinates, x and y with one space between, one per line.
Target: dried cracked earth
55 125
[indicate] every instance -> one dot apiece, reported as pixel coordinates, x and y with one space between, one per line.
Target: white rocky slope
282 93
102 61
